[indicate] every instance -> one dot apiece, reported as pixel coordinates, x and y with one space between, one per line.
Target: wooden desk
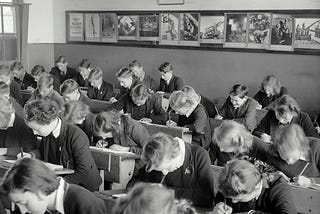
175 131
115 167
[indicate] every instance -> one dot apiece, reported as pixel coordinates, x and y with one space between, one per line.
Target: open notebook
52 167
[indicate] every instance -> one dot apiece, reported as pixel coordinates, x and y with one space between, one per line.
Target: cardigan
104 93
275 198
149 82
192 181
17 107
28 81
269 124
265 101
198 122
175 84
17 136
54 95
151 106
246 114
71 73
15 92
87 124
209 106
72 147
266 153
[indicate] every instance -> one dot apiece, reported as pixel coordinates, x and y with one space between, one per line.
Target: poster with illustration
76 27
128 27
212 29
259 30
281 33
109 27
149 27
189 29
169 28
307 33
92 27
235 30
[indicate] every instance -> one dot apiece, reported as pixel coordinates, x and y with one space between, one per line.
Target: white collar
11 120
100 85
57 129
58 205
182 147
168 81
192 109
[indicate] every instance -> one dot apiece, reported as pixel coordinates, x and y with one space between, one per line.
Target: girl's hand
302 181
265 138
222 208
102 144
146 120
113 100
119 148
25 155
171 123
218 117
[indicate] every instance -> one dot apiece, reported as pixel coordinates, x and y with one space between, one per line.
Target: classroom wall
212 73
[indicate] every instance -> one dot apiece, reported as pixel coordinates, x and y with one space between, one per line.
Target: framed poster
128 27
75 28
281 33
170 2
92 27
169 28
259 30
189 29
109 27
307 33
212 29
149 27
235 30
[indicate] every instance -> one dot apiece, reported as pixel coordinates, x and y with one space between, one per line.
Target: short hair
85 63
240 137
45 81
238 177
95 73
41 111
165 67
273 82
239 89
289 137
37 70
31 175
191 92
75 110
140 92
16 65
124 72
4 88
68 86
286 103
135 63
61 59
180 99
4 70
6 109
157 148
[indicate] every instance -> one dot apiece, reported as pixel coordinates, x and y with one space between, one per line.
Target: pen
224 205
217 110
304 169
162 180
21 151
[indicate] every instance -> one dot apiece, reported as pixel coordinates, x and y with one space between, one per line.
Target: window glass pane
9 20
11 47
0 20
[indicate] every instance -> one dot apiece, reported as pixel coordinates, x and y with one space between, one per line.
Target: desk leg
101 188
126 173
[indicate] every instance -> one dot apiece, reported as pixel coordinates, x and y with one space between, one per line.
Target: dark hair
135 63
111 121
41 111
272 82
31 175
68 86
284 104
85 63
165 67
61 59
124 72
96 73
37 70
75 110
240 90
16 65
159 146
140 92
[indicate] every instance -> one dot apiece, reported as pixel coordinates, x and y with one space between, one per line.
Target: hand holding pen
302 180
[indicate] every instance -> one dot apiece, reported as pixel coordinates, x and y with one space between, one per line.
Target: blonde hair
45 81
191 92
286 103
272 82
95 74
75 110
180 99
240 137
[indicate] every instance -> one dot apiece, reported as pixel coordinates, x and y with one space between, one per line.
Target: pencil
315 121
217 110
162 180
304 169
224 205
21 151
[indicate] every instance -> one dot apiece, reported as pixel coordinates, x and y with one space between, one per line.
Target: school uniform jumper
193 180
149 82
71 149
245 114
54 95
262 98
198 122
71 73
275 198
28 81
175 84
104 93
15 92
269 124
209 106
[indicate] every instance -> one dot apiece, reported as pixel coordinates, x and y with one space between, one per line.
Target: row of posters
236 30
